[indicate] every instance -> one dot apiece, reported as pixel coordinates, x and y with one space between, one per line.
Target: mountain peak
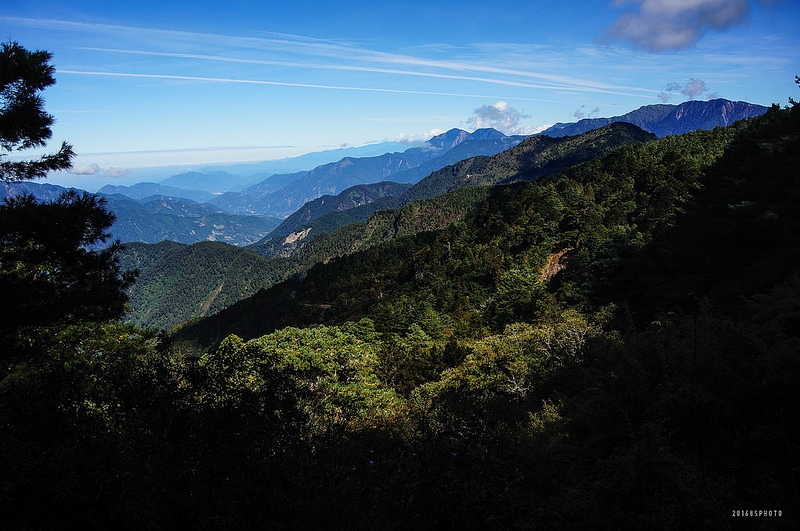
487 133
448 140
664 119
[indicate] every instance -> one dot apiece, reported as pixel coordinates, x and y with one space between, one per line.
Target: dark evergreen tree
24 124
49 271
52 270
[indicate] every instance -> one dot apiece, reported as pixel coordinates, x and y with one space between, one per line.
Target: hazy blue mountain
213 181
355 196
215 178
183 221
269 198
328 213
481 142
41 191
144 190
160 218
663 119
304 162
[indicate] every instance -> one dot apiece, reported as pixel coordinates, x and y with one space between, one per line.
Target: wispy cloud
661 25
282 84
95 169
284 50
417 138
380 70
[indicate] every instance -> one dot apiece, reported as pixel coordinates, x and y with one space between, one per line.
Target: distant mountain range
281 195
156 218
262 192
663 120
143 190
332 226
532 158
229 203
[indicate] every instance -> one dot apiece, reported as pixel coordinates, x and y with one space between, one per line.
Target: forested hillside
532 158
611 347
177 283
353 197
343 232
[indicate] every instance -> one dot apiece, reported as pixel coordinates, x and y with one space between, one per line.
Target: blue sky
153 83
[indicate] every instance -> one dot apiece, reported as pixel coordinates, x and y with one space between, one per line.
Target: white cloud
417 138
499 115
95 169
91 169
661 25
117 172
694 88
537 129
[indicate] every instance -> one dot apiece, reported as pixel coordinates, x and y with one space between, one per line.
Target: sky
154 83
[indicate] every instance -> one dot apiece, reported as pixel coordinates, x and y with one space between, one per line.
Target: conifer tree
53 269
24 124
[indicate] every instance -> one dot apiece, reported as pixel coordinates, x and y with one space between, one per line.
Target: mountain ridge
264 199
160 217
666 119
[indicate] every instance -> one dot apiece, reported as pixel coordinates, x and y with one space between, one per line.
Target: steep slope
589 213
181 282
534 157
341 233
663 119
476 266
352 197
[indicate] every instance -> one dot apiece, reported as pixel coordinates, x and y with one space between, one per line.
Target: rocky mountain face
663 120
